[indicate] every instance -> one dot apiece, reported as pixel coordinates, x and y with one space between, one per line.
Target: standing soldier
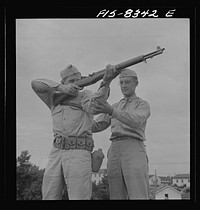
127 165
70 158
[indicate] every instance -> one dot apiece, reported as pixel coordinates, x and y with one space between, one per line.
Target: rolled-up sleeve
102 122
103 93
135 117
44 89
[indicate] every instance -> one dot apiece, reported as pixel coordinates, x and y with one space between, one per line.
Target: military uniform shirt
69 120
128 119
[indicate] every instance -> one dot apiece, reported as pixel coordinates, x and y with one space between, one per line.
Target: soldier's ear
136 81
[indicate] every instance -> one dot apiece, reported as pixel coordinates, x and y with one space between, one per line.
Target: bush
101 190
29 178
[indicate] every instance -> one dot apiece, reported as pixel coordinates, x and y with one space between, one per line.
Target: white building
181 180
159 180
97 176
166 192
165 180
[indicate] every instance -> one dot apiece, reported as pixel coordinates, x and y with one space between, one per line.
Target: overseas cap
68 71
127 73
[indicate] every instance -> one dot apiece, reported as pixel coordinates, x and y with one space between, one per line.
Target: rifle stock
96 76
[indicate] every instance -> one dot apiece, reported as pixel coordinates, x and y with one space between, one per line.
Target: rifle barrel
94 77
157 52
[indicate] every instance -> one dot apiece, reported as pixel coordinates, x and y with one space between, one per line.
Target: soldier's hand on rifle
71 89
109 74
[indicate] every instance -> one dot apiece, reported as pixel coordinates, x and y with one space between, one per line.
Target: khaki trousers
71 168
128 170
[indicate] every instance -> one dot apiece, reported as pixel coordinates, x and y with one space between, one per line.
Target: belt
73 142
118 138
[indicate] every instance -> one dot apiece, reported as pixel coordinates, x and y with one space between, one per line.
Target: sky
46 46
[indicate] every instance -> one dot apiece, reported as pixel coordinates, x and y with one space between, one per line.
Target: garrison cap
127 73
69 71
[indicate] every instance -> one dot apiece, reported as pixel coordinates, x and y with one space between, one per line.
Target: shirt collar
130 98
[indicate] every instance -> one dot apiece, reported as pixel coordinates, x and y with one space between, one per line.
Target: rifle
96 76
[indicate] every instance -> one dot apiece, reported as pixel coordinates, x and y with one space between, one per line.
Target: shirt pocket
57 115
74 114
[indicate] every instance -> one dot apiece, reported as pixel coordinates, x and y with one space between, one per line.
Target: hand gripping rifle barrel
96 76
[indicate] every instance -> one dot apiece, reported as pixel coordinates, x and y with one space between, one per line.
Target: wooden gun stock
96 76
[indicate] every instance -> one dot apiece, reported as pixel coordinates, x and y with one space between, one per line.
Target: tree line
29 181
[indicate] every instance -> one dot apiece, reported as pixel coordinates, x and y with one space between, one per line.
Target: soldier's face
128 85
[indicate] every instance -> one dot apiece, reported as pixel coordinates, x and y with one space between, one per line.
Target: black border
62 10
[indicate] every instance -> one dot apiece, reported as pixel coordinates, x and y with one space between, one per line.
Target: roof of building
151 176
161 177
181 176
167 178
163 187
